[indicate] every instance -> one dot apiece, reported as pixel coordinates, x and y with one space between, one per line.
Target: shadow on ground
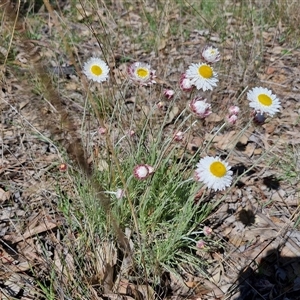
275 277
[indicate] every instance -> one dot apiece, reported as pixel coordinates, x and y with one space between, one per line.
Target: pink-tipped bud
200 244
234 110
178 136
185 83
207 230
150 169
142 171
130 133
161 105
200 108
63 167
102 130
120 193
231 119
169 93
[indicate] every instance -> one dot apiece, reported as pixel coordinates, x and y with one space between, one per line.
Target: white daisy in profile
96 69
210 54
141 73
214 172
263 101
202 76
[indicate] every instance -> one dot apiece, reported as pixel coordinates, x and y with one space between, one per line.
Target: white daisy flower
263 101
210 54
96 69
141 73
200 108
214 173
202 76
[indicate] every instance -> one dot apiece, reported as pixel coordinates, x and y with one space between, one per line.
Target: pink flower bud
150 169
207 230
234 110
200 244
161 105
102 130
178 136
142 171
120 193
200 108
185 83
63 167
169 93
231 119
130 133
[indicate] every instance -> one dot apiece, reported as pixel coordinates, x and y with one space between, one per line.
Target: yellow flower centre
96 70
205 71
218 169
265 99
142 72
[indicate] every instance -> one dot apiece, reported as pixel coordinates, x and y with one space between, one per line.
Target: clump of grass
162 213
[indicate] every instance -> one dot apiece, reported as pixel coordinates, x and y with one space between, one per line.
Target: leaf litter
251 221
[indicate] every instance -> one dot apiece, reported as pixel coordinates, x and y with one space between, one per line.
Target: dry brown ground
256 222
